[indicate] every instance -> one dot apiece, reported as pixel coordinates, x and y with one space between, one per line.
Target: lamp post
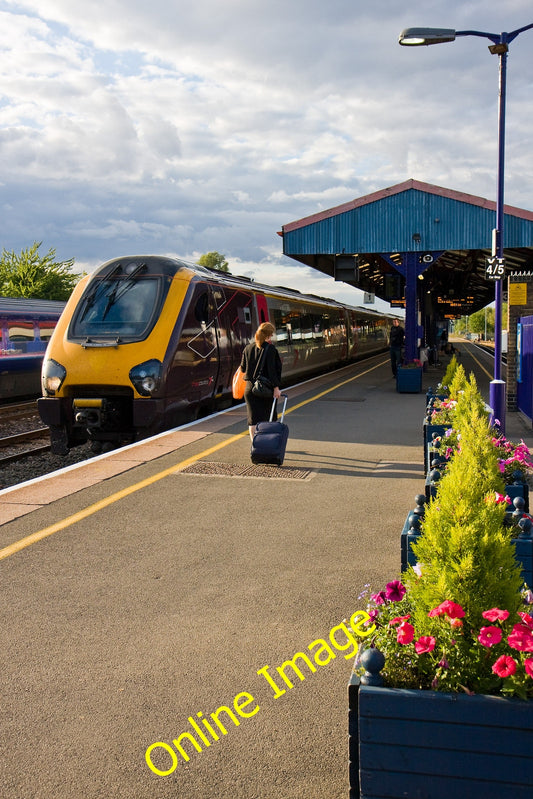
500 46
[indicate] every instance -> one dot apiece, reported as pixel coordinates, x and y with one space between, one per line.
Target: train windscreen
123 307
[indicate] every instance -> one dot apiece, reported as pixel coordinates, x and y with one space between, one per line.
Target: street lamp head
418 36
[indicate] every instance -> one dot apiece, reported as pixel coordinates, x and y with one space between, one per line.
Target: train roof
24 305
171 266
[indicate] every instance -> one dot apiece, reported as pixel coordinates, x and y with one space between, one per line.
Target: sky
179 128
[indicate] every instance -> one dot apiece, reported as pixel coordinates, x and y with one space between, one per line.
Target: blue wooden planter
429 430
409 381
408 743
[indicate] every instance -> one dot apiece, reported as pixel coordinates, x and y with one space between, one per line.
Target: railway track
21 432
19 446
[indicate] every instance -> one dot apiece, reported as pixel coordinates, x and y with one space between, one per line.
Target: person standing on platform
259 408
396 339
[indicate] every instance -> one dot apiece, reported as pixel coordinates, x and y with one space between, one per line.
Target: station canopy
363 243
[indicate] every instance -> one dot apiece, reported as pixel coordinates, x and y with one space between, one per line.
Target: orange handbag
238 384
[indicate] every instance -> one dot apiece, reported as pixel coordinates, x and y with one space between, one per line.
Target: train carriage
26 326
148 342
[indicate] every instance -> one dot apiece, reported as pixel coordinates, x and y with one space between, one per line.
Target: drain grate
216 469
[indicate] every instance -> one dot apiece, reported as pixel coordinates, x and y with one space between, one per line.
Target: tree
214 260
31 274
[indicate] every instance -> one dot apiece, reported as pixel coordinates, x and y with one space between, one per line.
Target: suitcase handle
285 398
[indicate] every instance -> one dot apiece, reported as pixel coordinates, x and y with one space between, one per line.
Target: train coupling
88 412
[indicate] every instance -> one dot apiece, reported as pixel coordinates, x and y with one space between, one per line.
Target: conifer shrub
461 619
444 385
464 551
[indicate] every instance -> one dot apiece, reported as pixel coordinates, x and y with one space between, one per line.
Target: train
26 326
147 343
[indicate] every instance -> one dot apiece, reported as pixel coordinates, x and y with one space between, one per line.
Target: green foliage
470 405
214 260
465 552
458 381
31 274
448 376
454 624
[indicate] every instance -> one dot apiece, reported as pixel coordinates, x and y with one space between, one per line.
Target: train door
193 374
234 331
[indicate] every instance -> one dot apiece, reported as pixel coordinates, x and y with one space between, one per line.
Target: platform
144 590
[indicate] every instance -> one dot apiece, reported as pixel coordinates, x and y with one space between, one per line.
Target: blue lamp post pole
500 46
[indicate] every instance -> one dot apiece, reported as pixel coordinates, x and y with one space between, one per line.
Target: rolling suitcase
270 439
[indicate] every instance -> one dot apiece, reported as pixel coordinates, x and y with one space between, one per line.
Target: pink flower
379 598
489 636
528 665
456 623
398 620
448 608
500 498
505 666
495 614
426 643
395 591
521 638
406 633
527 620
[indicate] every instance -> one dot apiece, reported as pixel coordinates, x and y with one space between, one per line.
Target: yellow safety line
125 492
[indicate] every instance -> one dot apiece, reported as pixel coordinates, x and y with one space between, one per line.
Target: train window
317 326
20 331
45 330
296 329
201 309
307 327
121 307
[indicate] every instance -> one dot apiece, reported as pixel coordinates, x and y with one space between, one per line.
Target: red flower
489 636
456 623
528 665
505 666
395 591
521 638
448 608
405 634
527 620
426 643
398 620
495 614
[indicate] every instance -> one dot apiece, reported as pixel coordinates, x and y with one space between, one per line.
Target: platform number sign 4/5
495 269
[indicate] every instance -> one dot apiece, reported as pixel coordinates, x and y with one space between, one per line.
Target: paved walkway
175 588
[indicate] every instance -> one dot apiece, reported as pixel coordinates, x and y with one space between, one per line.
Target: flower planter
409 743
429 431
409 380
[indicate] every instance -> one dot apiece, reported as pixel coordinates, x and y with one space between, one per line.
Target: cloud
184 128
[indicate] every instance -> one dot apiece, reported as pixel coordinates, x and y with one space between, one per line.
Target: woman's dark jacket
271 363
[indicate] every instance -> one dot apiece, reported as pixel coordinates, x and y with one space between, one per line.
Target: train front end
102 375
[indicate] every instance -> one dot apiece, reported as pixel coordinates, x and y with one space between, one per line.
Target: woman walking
261 358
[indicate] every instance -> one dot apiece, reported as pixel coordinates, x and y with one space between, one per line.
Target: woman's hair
263 332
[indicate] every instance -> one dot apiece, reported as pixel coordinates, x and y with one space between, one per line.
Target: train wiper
119 289
98 290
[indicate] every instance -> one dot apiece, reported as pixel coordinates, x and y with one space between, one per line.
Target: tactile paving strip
216 469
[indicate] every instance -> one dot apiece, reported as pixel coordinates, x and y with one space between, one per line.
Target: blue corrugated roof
386 221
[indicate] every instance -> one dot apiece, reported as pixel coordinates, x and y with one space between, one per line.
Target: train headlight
146 377
53 375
